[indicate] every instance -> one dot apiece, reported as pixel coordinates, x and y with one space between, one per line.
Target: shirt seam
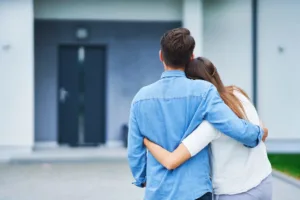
157 98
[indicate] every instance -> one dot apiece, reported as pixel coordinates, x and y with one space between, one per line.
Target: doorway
81 95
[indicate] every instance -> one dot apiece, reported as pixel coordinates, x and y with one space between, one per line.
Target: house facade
71 68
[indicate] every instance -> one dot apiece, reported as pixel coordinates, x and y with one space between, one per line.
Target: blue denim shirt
166 112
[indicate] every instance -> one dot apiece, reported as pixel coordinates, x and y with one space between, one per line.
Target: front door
81 95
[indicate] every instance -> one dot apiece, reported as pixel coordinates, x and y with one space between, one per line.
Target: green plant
286 163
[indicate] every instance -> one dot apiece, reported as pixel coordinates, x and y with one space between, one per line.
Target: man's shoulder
144 92
200 83
199 87
187 88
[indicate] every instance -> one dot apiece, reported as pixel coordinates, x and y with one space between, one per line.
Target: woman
238 172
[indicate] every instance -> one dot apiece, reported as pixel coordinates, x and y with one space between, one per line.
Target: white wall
16 77
192 19
166 10
279 81
227 40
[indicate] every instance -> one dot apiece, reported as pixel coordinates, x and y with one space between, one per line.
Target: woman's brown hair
204 69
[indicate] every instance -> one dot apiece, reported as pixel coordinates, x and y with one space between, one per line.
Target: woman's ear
160 56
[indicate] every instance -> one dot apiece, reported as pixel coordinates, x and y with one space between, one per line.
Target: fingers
146 141
266 133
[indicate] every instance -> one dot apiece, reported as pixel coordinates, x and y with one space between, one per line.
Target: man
169 110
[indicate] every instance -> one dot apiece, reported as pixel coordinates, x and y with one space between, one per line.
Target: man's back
166 112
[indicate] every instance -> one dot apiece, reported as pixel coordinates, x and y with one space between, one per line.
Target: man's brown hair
177 46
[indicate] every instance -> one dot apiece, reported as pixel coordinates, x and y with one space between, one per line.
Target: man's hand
266 131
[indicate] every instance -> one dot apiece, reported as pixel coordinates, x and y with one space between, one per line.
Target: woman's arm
189 147
167 159
201 137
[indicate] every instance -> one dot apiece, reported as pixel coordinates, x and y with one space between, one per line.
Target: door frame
104 47
254 32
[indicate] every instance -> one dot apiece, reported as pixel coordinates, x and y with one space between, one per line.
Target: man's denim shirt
166 112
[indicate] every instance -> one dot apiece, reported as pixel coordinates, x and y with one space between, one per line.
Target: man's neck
168 68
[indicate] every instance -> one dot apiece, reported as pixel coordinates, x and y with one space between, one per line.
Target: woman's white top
235 168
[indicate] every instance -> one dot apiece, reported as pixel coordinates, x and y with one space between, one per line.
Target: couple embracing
191 137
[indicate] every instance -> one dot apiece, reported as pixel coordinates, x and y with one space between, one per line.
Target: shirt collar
173 73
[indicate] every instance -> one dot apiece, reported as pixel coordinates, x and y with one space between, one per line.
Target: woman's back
236 168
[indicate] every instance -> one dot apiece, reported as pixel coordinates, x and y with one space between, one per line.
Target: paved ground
285 191
109 180
73 181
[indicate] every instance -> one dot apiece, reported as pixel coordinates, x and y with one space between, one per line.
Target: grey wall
132 62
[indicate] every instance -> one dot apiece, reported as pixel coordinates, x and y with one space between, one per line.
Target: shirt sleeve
137 155
223 118
200 138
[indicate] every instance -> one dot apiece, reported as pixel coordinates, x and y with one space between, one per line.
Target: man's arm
137 156
223 118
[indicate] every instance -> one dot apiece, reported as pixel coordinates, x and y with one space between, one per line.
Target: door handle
63 94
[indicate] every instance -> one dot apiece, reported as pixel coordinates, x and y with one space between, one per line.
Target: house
69 69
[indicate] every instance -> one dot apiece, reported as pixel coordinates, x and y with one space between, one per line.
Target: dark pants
206 196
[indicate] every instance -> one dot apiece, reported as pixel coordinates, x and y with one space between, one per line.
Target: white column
17 74
192 19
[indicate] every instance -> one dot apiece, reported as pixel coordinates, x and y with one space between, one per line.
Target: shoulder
249 108
200 87
241 96
200 83
144 92
181 88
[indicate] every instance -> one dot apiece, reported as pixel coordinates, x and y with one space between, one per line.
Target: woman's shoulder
240 94
250 109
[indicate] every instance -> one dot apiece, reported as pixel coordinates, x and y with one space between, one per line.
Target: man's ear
160 56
